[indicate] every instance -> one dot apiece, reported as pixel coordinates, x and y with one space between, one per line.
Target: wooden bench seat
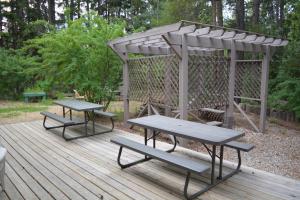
64 121
181 162
212 110
215 123
240 146
104 114
60 119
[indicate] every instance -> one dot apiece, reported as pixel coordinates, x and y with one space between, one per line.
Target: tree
78 57
286 85
217 12
51 11
240 14
256 13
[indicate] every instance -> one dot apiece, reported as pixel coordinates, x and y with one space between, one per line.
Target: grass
13 109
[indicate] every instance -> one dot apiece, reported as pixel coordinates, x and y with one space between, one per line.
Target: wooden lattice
154 78
248 79
208 81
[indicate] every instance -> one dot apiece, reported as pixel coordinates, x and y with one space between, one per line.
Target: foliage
78 58
12 76
287 82
174 11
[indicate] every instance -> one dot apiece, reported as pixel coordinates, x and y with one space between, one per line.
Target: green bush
78 57
286 92
12 76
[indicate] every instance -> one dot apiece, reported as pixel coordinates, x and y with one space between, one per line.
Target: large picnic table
209 136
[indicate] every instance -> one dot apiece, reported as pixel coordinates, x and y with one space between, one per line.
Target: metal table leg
213 162
93 113
86 122
64 112
70 114
221 162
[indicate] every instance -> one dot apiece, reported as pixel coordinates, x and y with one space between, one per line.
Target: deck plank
85 157
233 187
87 169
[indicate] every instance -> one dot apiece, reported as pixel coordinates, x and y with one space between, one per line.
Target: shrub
78 57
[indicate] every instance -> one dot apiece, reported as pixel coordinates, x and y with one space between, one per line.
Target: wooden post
125 90
183 86
264 89
183 80
231 85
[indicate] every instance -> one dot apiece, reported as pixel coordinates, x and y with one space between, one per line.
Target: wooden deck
41 165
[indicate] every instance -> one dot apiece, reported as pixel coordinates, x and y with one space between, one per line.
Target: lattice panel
248 79
154 78
208 81
138 72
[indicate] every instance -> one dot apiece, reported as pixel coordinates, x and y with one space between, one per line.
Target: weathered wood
91 163
231 86
125 89
264 90
183 80
247 118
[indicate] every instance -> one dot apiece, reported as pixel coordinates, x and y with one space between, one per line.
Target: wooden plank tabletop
78 105
187 129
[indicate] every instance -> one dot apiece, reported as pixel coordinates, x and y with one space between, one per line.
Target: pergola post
183 80
264 89
231 86
125 89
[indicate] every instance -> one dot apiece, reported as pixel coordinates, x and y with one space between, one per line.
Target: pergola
188 65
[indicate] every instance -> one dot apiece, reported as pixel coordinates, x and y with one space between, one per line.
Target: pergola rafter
187 38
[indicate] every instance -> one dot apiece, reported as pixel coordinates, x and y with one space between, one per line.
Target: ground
277 151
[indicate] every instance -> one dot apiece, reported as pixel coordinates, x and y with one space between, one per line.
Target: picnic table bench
207 135
28 95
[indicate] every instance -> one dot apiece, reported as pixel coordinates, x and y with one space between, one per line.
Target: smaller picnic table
76 105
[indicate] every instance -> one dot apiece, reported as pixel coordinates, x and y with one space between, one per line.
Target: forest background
57 46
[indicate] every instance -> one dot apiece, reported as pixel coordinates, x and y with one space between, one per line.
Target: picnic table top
78 105
34 93
187 129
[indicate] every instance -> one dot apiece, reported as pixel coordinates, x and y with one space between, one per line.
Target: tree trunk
72 9
256 12
78 8
1 19
240 14
88 6
213 8
51 11
219 13
281 16
240 21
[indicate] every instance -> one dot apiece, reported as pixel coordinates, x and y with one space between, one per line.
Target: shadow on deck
41 165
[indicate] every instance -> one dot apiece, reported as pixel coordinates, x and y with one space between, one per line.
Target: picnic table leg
213 159
64 112
85 122
221 162
70 114
93 113
146 138
153 138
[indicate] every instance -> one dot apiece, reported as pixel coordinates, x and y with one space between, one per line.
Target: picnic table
89 110
28 95
205 134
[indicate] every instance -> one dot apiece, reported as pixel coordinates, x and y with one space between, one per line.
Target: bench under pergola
189 66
